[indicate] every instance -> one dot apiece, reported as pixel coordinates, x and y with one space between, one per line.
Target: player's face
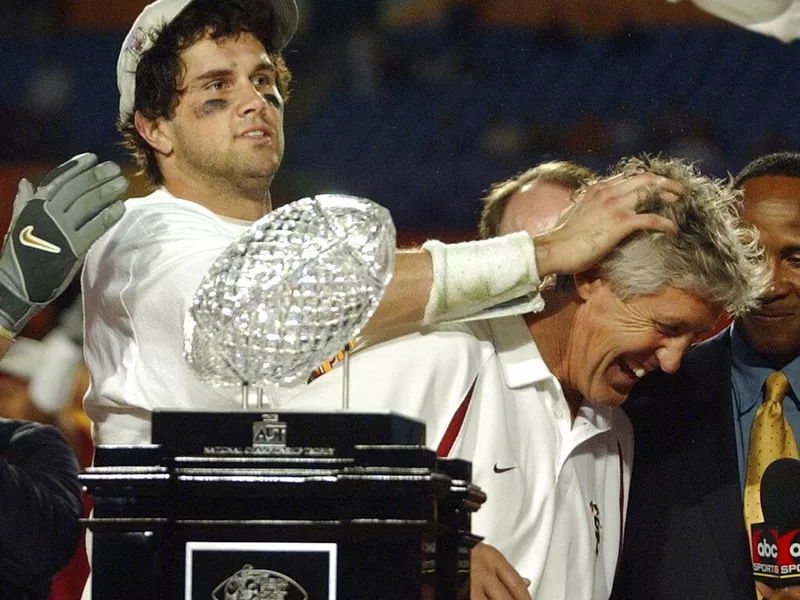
535 208
228 125
772 204
618 341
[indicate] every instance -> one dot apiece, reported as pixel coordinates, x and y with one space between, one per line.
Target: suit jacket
685 536
40 504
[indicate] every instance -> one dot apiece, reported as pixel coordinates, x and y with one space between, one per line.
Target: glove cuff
14 312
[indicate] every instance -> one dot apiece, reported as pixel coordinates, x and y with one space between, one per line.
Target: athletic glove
52 228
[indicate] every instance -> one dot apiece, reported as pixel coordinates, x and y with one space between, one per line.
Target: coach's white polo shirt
556 489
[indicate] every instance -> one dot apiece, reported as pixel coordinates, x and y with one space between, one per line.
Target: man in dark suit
685 535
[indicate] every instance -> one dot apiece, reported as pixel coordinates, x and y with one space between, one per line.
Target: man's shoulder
443 344
717 348
160 208
160 217
622 430
27 433
447 354
10 427
702 359
666 393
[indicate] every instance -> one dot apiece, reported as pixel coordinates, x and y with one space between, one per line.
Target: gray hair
714 256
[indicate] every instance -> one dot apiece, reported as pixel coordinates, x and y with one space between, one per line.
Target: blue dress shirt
749 371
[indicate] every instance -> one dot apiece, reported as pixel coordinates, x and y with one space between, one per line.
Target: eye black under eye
212 105
273 99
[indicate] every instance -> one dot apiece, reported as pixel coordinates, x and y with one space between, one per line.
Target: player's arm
440 282
52 228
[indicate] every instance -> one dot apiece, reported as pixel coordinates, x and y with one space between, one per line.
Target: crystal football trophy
290 293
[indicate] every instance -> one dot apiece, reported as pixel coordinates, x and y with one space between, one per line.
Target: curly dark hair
161 70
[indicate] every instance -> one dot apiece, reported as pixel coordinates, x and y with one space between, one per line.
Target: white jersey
776 18
556 489
138 282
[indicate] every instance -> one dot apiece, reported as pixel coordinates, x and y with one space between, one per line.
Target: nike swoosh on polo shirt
502 469
26 238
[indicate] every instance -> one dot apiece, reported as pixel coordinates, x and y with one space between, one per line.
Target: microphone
775 543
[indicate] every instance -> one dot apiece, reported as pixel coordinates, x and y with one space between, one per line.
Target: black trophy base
228 506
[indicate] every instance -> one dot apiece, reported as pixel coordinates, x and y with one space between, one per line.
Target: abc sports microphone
776 541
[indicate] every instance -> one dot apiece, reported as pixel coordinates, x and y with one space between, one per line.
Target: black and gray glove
51 230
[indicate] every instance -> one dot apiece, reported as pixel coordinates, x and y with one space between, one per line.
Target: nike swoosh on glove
51 230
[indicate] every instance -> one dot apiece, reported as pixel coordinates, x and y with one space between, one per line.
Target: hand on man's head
602 216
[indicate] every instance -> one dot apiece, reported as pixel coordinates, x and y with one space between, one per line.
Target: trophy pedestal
286 505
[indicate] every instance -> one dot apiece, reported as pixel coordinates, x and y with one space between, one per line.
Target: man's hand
51 230
493 578
601 218
788 593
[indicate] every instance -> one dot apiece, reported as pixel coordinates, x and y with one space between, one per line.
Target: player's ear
155 132
588 282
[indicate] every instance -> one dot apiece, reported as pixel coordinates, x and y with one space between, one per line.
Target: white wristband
471 276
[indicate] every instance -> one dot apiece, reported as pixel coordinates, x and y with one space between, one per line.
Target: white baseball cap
161 12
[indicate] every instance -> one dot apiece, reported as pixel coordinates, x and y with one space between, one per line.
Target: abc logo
794 546
767 549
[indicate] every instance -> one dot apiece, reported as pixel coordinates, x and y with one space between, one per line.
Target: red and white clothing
556 488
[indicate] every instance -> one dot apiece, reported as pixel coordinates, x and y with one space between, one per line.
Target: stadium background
417 104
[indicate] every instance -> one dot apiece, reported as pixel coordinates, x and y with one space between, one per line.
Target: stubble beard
237 178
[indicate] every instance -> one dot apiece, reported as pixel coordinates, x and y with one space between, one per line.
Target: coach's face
772 204
616 342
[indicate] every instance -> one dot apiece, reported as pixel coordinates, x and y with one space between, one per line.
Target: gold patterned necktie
771 438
